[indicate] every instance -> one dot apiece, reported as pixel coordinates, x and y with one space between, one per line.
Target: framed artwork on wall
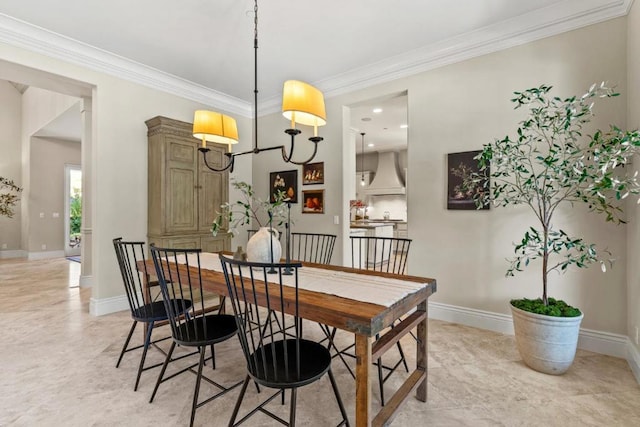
313 173
313 201
460 193
286 181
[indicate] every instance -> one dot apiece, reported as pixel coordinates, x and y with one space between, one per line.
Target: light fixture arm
230 161
288 157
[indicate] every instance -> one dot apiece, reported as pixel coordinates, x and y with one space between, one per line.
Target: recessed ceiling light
377 110
371 144
404 126
366 119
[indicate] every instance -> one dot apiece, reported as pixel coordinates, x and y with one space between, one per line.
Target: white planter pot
546 343
259 246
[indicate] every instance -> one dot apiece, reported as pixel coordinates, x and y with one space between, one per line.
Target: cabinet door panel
181 152
212 192
215 243
182 215
181 197
185 243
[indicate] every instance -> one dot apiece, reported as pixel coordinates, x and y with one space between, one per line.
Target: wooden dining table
365 320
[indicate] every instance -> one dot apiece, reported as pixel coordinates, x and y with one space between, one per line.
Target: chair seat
155 311
206 330
315 361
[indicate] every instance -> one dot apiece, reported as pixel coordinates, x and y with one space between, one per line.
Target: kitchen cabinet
401 230
183 194
374 254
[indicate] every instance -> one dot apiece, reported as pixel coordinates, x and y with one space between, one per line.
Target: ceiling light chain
301 103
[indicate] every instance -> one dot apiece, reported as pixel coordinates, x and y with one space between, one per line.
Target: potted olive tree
550 163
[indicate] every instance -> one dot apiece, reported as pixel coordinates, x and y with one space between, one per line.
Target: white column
87 196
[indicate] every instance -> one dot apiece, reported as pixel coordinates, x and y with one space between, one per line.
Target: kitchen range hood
386 181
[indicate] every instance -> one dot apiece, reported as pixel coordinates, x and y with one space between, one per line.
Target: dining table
366 303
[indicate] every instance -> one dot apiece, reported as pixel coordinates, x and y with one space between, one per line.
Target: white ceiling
337 45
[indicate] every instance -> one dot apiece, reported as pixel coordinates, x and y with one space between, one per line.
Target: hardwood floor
58 369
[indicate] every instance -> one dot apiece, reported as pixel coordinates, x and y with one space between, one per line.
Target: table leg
363 384
421 353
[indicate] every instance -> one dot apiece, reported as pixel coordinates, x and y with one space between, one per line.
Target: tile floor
58 369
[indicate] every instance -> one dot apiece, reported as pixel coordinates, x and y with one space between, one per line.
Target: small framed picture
313 173
286 181
313 201
460 192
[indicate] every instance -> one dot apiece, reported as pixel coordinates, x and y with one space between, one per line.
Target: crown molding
36 39
552 20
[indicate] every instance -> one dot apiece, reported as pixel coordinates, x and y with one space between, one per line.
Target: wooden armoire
183 194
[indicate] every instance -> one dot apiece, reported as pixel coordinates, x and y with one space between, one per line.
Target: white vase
546 343
263 245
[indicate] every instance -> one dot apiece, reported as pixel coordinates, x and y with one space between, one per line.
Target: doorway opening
73 210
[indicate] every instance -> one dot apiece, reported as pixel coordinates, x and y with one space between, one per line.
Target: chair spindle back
386 254
312 247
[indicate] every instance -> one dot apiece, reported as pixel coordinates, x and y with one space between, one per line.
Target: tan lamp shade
303 103
215 127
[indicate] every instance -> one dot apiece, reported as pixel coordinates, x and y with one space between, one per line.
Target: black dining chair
179 275
144 307
388 255
312 247
276 358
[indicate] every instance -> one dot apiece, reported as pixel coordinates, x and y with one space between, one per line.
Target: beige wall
119 156
633 120
458 108
10 119
271 133
46 195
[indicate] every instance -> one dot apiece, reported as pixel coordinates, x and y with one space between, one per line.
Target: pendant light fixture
362 161
301 104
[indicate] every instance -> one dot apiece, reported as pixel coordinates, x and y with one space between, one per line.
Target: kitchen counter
369 225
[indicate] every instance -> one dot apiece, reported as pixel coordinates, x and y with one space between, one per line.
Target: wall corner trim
45 255
633 357
102 306
5 254
86 281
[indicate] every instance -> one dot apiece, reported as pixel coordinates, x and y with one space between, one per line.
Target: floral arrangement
8 196
358 204
249 209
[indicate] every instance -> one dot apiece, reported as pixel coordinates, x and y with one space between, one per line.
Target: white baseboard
13 254
633 357
100 307
603 342
595 341
45 255
495 322
86 281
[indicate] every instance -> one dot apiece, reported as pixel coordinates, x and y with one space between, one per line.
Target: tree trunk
545 260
